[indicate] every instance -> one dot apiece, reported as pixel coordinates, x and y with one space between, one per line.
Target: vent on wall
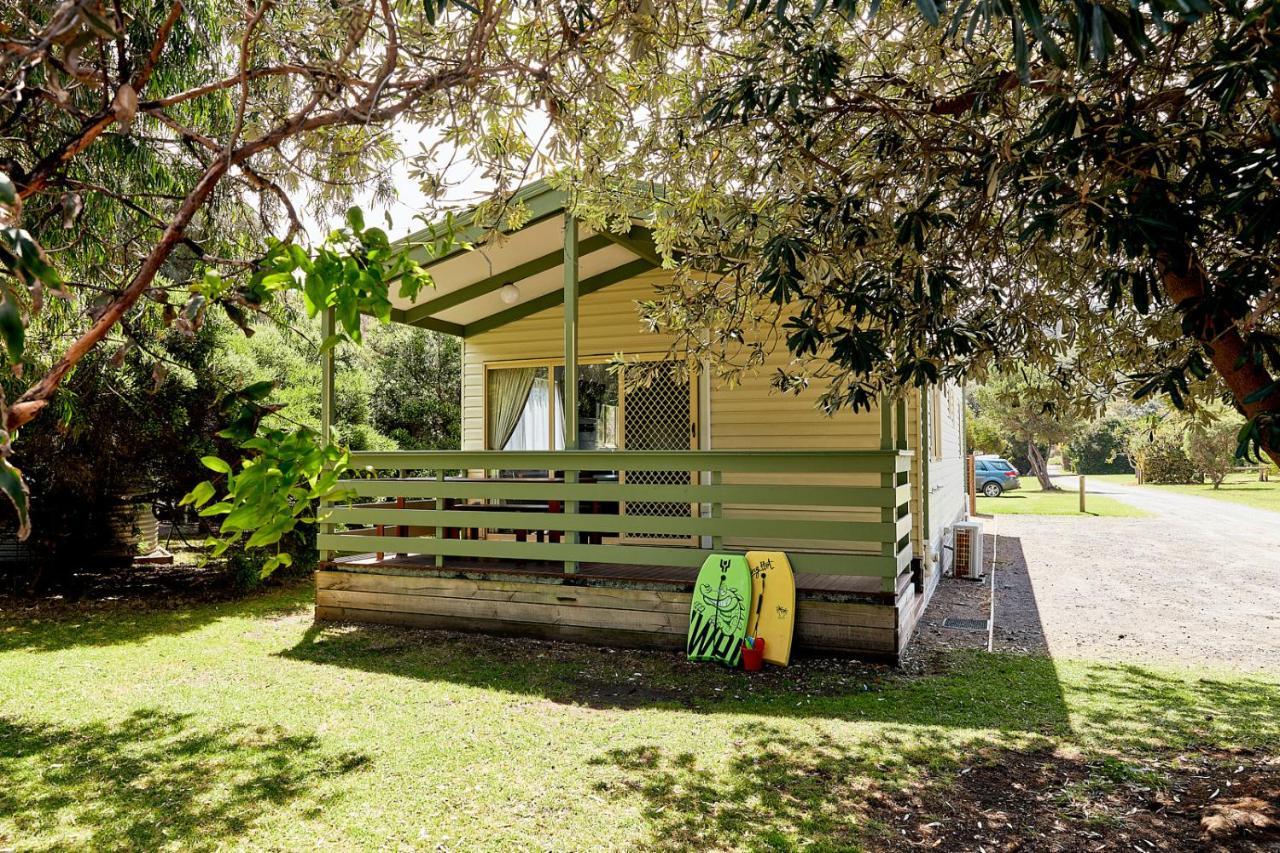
967 536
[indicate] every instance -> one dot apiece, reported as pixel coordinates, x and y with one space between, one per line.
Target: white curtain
530 432
559 399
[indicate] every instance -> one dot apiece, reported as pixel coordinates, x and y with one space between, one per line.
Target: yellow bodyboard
773 604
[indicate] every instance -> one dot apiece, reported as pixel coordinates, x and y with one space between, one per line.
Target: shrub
245 565
1211 446
1160 457
1099 449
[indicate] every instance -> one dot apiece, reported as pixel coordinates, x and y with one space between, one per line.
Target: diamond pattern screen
656 416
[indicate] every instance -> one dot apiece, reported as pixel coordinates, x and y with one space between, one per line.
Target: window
597 406
524 407
525 411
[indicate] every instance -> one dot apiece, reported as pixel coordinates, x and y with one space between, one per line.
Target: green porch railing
776 500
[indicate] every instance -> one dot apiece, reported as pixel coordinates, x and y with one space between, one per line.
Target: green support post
925 453
886 424
440 527
717 509
570 365
328 325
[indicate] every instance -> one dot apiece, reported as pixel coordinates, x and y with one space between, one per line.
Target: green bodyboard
718 614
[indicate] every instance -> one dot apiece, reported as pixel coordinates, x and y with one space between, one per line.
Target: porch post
570 366
570 332
886 422
327 327
925 454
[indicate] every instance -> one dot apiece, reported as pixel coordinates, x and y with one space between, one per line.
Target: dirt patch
1050 801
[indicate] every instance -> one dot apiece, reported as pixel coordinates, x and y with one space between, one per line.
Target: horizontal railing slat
729 461
756 528
843 497
866 565
857 529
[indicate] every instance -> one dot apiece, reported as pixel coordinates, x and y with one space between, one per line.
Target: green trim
735 493
740 461
433 323
556 297
831 563
639 241
755 528
518 273
539 197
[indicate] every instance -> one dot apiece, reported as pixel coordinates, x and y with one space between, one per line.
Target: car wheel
992 490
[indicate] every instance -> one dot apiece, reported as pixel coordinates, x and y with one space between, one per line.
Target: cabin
596 473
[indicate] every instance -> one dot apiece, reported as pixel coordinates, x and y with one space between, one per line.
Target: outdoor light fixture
509 293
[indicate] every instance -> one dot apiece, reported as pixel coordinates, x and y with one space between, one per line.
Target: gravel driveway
1198 583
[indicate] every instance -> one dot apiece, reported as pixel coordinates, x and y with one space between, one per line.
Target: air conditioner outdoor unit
966 537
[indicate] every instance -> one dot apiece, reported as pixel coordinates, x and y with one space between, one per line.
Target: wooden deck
604 604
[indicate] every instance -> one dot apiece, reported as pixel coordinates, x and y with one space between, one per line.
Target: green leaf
929 9
12 329
8 194
199 496
258 391
220 508
15 489
213 463
355 218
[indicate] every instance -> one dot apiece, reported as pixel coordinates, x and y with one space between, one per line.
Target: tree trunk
1038 467
1184 281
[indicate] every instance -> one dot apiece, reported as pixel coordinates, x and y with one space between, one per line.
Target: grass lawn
242 725
1237 488
1031 500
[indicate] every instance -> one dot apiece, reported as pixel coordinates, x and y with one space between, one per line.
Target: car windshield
999 465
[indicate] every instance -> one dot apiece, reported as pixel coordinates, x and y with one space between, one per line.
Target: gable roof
466 300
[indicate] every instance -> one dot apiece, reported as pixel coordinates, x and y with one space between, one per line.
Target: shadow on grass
974 693
777 793
110 624
153 780
921 789
1123 706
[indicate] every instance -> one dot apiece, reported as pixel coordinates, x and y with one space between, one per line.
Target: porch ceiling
466 297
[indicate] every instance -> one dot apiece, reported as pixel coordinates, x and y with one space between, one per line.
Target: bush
1099 449
1211 446
1160 455
245 564
116 427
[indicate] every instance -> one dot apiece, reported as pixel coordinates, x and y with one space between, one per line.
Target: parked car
995 476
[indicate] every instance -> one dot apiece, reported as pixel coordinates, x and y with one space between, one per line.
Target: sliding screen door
657 414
